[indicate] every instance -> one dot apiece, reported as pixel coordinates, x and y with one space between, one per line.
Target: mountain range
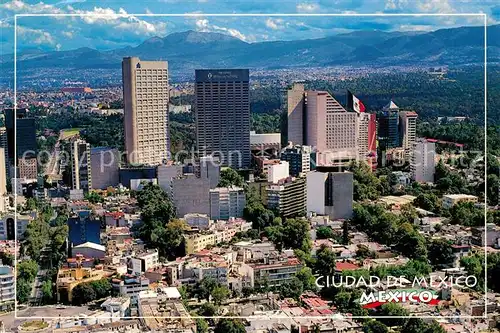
190 49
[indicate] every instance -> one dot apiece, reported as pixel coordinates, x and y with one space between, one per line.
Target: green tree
393 310
324 232
219 294
23 290
201 325
229 177
207 310
440 253
307 278
292 288
83 293
374 326
325 262
102 288
94 197
227 325
47 292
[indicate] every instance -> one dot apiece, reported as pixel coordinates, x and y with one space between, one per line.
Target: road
36 292
48 312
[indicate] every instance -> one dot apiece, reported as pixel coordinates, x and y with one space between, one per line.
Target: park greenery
159 228
88 292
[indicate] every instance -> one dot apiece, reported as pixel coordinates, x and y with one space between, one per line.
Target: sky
120 26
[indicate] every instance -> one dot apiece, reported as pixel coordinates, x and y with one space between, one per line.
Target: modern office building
105 167
330 193
145 100
288 196
367 138
408 131
388 127
423 161
191 195
318 120
81 165
298 158
227 202
223 115
26 133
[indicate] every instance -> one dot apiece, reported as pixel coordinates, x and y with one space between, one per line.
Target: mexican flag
354 103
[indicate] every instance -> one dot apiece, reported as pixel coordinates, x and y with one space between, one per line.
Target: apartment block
227 202
287 196
298 158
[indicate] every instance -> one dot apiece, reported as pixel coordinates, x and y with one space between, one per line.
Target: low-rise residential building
144 261
450 200
489 236
7 288
69 278
275 273
130 285
199 221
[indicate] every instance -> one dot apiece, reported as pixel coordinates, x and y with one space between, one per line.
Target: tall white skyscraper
408 131
423 161
145 100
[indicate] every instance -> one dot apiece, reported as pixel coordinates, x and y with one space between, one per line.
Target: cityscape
151 195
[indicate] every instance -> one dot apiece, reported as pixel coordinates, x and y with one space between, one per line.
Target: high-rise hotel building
223 115
145 99
316 119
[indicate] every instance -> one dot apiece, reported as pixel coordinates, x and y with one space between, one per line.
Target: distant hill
188 50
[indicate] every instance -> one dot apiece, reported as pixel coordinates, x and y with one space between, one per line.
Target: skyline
121 28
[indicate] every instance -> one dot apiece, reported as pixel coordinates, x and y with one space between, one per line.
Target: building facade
145 100
330 193
298 158
388 126
191 195
227 202
7 290
423 161
320 121
367 139
81 165
288 197
223 115
105 166
296 113
408 131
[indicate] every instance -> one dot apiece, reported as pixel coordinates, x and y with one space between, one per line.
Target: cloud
205 26
434 6
307 7
68 34
36 36
274 24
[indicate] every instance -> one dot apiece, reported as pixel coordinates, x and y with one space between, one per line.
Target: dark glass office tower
223 115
